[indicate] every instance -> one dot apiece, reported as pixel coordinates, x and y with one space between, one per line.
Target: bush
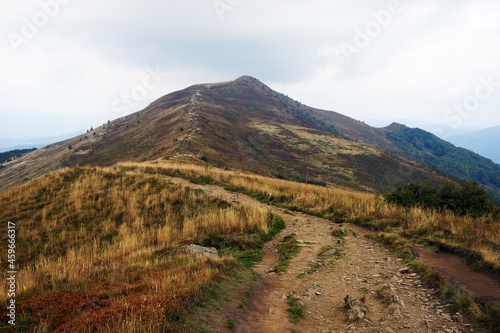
466 199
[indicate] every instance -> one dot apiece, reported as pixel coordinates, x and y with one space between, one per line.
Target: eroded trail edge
343 281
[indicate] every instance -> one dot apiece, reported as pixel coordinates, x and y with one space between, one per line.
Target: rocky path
355 286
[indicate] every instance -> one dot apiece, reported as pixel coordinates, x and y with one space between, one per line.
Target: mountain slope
483 142
246 125
426 148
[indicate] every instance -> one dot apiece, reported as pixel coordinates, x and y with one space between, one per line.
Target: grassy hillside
479 237
102 246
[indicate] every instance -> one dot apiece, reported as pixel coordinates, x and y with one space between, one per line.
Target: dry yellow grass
477 235
114 232
107 237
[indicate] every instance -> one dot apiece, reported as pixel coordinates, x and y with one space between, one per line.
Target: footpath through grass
477 237
102 250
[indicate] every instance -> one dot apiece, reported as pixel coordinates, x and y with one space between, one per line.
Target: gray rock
330 252
397 299
205 251
356 309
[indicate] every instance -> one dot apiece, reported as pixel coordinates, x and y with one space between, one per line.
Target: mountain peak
244 124
396 127
247 78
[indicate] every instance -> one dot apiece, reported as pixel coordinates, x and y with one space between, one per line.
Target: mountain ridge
483 142
243 124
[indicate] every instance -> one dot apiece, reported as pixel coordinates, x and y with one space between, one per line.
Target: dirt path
394 299
481 283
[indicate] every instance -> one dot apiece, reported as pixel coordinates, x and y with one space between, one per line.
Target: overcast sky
66 65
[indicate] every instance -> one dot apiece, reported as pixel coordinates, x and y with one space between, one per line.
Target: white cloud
430 56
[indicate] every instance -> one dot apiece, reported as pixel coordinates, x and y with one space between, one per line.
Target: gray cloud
419 61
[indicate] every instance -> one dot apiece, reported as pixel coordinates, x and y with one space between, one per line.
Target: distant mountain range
8 144
485 142
246 125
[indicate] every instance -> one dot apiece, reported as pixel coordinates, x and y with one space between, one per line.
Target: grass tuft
287 249
231 324
295 310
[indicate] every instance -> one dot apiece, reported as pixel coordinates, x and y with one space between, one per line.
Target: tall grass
101 245
478 236
111 238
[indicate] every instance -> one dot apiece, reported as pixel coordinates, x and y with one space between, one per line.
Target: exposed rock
356 309
405 270
330 252
205 251
343 230
396 299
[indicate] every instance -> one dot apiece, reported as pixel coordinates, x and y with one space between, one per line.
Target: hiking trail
344 281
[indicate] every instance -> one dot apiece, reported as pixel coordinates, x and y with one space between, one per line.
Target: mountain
427 149
483 142
246 125
440 130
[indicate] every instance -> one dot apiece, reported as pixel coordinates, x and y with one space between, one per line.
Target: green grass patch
287 249
277 225
231 324
295 310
